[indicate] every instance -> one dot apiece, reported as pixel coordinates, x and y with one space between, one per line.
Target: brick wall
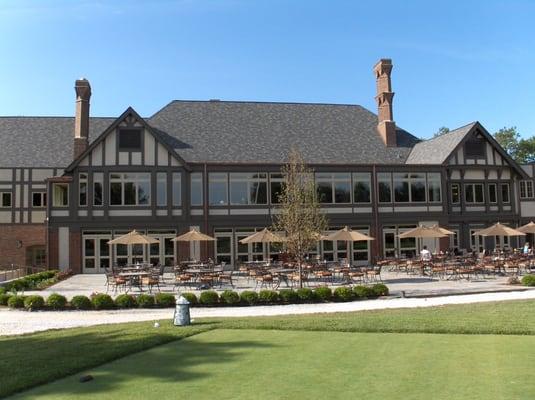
15 239
53 255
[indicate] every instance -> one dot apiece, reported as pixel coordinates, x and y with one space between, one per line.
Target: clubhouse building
69 185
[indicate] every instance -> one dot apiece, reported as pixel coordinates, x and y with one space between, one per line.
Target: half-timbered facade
69 185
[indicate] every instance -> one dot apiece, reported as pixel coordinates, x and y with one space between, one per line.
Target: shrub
343 294
56 301
323 293
30 281
34 303
209 297
288 296
2 290
125 301
164 300
528 280
102 301
306 295
268 297
380 289
363 292
191 298
15 302
4 297
145 300
249 297
230 297
81 303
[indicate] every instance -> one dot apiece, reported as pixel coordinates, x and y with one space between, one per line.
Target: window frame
360 177
59 184
98 179
527 186
139 131
502 186
176 188
83 182
42 202
2 198
495 193
218 178
334 178
474 193
136 181
161 178
459 195
196 177
249 179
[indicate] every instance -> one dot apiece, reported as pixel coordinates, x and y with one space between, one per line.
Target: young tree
441 131
299 215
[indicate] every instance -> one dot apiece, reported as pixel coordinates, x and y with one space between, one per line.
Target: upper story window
5 199
248 188
526 189
505 193
384 180
361 187
493 195
409 187
218 188
455 193
161 189
130 139
82 189
473 193
196 189
475 148
177 188
434 187
129 189
60 193
333 187
276 186
39 199
98 184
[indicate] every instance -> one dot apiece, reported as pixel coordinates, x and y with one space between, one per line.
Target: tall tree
299 215
441 131
521 150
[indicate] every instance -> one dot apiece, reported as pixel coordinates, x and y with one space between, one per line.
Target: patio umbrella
423 232
528 228
443 230
134 237
499 230
264 236
193 236
348 235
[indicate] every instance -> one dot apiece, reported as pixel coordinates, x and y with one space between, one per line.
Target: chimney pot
81 118
386 126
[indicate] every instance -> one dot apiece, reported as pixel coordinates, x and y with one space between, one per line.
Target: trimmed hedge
528 280
343 294
125 301
323 293
363 292
56 301
145 300
164 300
29 281
191 297
306 295
230 297
288 296
15 302
4 297
268 297
249 297
102 301
81 303
209 297
34 302
380 289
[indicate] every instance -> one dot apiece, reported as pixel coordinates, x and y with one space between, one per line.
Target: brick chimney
386 126
81 119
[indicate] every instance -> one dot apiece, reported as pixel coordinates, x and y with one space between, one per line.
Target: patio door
164 252
95 253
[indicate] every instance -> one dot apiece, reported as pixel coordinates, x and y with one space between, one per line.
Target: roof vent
214 100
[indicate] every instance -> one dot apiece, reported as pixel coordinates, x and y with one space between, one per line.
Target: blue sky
454 62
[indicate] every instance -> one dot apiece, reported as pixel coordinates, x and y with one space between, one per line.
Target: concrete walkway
18 322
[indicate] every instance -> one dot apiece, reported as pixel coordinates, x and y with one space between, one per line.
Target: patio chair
115 282
373 274
152 280
183 279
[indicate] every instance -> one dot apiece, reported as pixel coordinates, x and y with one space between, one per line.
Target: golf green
265 364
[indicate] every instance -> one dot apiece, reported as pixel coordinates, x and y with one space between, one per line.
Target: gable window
434 187
39 199
455 193
247 188
98 184
82 189
526 189
161 189
130 139
128 189
333 188
60 192
505 193
493 196
473 193
5 199
196 194
384 180
475 148
218 189
361 187
177 188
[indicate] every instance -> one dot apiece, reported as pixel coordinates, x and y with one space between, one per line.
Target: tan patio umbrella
423 232
443 230
348 235
134 237
498 230
528 228
193 236
263 236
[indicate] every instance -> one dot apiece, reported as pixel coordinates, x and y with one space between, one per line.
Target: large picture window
248 188
196 189
333 187
129 189
384 180
434 186
401 187
361 187
473 193
218 189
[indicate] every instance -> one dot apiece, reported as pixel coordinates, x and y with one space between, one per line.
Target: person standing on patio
425 255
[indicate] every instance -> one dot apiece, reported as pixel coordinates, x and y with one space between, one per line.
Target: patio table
135 278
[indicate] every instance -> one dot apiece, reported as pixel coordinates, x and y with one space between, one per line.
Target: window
98 184
82 189
505 193
417 187
130 139
526 189
128 189
333 188
218 189
434 187
475 148
455 193
177 188
161 189
384 180
473 193
401 187
5 199
493 197
247 188
196 194
39 199
276 184
60 192
361 187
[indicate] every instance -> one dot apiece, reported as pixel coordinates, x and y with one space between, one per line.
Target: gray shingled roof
41 141
255 132
437 150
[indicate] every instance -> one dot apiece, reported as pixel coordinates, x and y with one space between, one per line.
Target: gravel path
17 322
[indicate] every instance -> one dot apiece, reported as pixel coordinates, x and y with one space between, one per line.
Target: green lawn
30 360
263 364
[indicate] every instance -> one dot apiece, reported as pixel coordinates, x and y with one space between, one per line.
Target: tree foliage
441 131
521 150
299 215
